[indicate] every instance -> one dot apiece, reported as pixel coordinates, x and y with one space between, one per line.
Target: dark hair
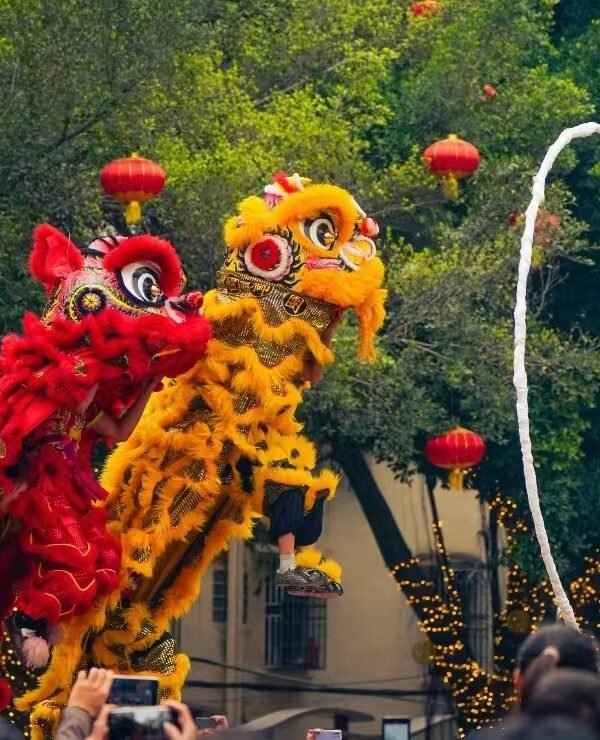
551 647
569 692
549 728
575 650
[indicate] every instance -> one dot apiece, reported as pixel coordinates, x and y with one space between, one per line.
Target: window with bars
472 581
295 630
219 595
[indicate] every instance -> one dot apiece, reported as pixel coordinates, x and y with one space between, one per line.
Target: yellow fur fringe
228 423
311 558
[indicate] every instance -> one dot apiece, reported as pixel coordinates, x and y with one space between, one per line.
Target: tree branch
95 118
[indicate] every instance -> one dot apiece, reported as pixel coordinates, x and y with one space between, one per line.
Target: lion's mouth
318 263
351 256
165 353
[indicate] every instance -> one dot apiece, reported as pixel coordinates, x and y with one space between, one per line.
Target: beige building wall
371 632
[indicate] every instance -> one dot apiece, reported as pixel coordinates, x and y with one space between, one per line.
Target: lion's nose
354 253
189 303
194 300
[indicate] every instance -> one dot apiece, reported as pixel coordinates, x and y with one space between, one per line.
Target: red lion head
115 315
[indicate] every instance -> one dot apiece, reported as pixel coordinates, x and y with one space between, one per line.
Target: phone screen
139 723
133 691
205 723
328 735
395 728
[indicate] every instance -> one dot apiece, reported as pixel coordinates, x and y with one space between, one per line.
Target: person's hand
90 691
100 729
312 734
221 725
187 729
221 722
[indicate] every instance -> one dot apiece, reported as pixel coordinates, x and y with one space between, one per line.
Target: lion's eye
321 230
141 282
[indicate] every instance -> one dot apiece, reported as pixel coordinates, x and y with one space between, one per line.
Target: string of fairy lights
482 696
21 680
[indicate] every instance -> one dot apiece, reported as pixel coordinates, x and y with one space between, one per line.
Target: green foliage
224 93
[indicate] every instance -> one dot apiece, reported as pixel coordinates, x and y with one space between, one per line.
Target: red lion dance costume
115 323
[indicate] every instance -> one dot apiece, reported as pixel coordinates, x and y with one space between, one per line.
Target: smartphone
328 735
205 723
134 691
395 728
140 723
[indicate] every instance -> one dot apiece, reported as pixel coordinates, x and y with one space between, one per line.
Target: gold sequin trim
114 509
153 516
116 621
160 658
236 331
196 470
198 412
146 628
172 455
278 303
244 430
244 402
185 501
141 554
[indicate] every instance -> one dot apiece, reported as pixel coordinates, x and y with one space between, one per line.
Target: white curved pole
520 375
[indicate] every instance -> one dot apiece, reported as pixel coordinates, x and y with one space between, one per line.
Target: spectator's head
567 692
8 731
554 646
548 728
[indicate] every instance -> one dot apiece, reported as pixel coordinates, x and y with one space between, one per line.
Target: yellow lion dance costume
220 446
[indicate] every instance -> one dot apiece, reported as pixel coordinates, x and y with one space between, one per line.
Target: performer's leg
287 552
286 515
290 528
312 526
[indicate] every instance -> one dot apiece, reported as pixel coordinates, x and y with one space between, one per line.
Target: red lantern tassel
457 479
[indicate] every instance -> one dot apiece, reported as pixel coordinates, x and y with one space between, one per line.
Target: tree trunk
478 696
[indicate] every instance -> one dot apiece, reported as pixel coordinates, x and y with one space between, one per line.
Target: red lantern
451 159
457 451
131 181
489 91
424 8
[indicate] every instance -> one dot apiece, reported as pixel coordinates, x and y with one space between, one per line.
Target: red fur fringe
53 257
146 248
51 367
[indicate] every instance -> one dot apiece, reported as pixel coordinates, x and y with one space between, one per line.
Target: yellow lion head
315 240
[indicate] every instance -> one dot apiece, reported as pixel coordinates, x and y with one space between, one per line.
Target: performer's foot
300 581
28 637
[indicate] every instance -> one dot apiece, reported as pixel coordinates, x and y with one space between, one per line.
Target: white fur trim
283 266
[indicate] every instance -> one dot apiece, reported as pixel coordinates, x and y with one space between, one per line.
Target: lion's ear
54 256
